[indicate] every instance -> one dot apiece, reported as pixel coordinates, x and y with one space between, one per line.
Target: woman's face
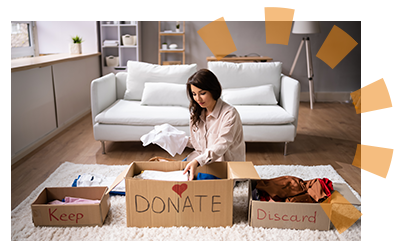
203 98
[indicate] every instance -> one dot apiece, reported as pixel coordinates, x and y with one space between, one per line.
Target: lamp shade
306 27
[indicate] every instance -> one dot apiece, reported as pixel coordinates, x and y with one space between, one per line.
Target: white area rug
115 228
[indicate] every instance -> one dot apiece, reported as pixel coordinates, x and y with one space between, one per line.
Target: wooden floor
328 134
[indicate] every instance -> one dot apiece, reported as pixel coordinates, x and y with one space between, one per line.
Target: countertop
43 61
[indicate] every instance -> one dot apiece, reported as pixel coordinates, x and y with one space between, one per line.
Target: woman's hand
191 168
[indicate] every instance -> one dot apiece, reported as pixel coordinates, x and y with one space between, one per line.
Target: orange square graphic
340 211
356 96
374 96
375 160
217 37
278 25
357 157
278 14
336 46
277 32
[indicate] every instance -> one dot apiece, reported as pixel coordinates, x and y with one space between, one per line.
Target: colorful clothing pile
292 189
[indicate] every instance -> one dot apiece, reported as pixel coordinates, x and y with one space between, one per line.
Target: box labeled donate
295 215
208 203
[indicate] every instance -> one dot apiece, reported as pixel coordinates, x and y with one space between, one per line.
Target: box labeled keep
44 214
207 203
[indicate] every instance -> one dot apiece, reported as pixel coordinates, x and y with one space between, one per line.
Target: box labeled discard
296 215
208 203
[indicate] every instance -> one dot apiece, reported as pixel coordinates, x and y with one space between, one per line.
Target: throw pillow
259 95
140 72
241 75
164 94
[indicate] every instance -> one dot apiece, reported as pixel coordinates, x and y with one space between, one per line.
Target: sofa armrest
290 96
102 93
121 84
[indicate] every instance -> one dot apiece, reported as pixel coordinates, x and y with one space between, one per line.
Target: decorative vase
75 48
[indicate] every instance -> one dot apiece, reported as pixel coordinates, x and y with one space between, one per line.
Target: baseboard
24 152
327 97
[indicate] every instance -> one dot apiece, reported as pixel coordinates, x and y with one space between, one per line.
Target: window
22 42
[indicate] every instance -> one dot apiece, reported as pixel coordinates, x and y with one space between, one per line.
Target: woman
216 131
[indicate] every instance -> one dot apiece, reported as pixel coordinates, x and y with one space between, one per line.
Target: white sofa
129 104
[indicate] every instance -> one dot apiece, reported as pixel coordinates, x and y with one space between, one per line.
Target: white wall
249 37
55 36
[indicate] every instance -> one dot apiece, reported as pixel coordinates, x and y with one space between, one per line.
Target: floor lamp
306 27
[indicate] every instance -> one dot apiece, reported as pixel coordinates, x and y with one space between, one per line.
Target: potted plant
76 46
164 46
177 26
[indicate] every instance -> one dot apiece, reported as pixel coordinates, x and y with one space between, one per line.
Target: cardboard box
207 203
295 215
44 214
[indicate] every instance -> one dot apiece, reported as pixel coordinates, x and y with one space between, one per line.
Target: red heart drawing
179 189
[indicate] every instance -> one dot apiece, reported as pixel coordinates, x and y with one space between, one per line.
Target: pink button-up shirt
219 136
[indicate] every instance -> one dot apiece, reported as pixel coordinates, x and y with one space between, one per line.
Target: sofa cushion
264 115
259 95
140 72
125 112
241 75
164 94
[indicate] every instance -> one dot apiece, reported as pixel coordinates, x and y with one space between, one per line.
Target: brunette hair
203 79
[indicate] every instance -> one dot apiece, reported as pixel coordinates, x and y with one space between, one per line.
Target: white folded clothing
95 180
162 176
172 140
110 41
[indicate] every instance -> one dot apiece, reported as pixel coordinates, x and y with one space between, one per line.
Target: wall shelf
169 38
114 31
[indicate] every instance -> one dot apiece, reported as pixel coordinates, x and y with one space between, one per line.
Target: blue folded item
203 176
75 183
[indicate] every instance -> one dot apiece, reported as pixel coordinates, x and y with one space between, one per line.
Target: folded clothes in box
73 200
162 176
96 180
